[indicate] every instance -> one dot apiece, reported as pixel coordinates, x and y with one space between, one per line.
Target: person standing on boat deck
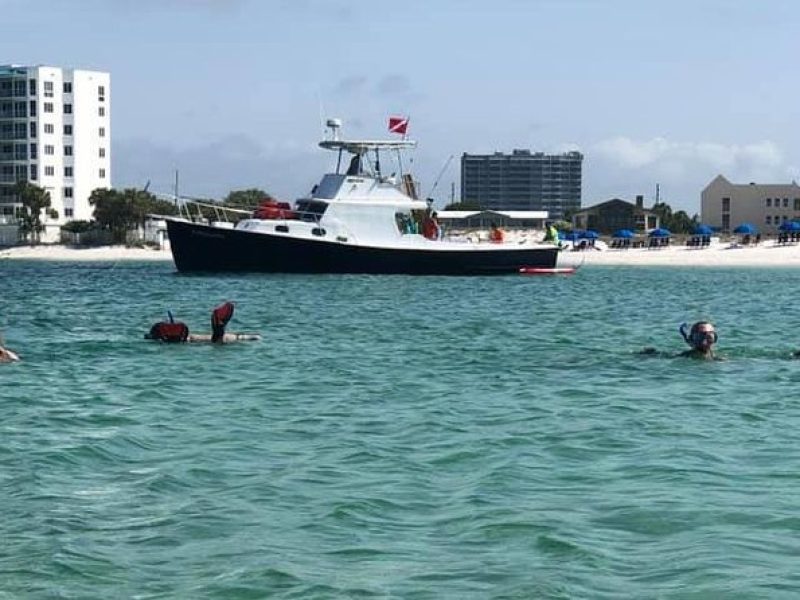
496 234
551 233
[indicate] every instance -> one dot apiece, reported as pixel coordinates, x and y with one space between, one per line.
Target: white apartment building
55 131
766 206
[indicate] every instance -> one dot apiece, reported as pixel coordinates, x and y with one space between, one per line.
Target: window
785 218
33 108
67 129
67 87
68 212
67 150
767 220
102 132
33 151
101 93
67 192
49 149
797 203
67 171
32 86
48 128
102 173
33 129
20 109
101 111
48 89
67 109
48 107
102 152
34 174
769 202
726 204
21 152
49 171
785 203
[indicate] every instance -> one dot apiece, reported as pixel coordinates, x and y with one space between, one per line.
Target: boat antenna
439 176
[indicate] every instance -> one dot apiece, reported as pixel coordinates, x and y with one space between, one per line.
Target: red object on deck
271 209
222 314
547 271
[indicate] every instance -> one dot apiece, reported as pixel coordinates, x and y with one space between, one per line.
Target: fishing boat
357 219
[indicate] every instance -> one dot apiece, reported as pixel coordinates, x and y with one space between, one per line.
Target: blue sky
230 92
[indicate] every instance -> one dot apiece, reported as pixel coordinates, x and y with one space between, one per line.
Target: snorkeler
701 337
7 356
173 331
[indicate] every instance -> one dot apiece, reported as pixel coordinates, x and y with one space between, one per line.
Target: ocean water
399 437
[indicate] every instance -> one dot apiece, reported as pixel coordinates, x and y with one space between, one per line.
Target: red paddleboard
547 271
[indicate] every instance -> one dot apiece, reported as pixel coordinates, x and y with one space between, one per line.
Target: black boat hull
198 248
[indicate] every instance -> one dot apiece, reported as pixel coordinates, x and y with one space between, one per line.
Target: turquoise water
399 437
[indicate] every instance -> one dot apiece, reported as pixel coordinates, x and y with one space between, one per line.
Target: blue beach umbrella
660 232
790 226
703 230
745 229
570 236
590 234
624 234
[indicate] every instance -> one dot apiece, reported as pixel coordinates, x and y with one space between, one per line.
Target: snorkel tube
684 335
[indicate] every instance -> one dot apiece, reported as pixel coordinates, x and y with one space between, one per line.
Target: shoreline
768 254
61 253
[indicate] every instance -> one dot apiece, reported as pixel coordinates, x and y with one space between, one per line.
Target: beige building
766 206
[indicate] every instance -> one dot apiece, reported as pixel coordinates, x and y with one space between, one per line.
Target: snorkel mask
697 338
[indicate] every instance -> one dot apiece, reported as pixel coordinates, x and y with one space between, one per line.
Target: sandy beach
767 254
68 253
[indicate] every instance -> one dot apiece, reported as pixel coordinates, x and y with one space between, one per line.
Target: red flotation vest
171 332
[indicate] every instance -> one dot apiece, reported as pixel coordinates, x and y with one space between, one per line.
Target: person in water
177 332
701 337
7 356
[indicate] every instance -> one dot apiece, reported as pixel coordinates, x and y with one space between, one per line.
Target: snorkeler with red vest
173 331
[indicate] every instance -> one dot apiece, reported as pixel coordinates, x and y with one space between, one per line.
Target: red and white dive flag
398 125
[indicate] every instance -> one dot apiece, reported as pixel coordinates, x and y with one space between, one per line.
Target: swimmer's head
702 336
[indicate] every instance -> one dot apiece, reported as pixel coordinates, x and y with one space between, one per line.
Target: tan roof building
766 206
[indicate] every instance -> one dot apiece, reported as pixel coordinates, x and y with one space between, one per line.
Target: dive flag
398 125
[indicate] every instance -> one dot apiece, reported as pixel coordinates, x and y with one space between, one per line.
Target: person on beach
177 332
701 338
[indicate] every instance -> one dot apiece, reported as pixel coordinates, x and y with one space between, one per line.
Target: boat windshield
310 210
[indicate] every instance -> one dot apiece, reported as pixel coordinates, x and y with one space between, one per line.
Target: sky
232 94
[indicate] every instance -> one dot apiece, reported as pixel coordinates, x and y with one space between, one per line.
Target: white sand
767 254
65 253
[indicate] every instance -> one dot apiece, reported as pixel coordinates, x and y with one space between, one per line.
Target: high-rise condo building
523 181
55 131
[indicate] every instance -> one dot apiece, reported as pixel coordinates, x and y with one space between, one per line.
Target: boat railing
208 212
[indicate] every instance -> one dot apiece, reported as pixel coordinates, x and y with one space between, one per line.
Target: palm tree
33 199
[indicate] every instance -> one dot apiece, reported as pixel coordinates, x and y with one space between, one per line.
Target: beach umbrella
660 232
590 234
571 236
703 230
745 229
624 234
790 226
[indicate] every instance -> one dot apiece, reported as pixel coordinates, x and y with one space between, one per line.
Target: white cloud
760 159
622 166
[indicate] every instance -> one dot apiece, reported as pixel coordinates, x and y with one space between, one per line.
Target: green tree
465 205
120 211
676 222
33 199
246 199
